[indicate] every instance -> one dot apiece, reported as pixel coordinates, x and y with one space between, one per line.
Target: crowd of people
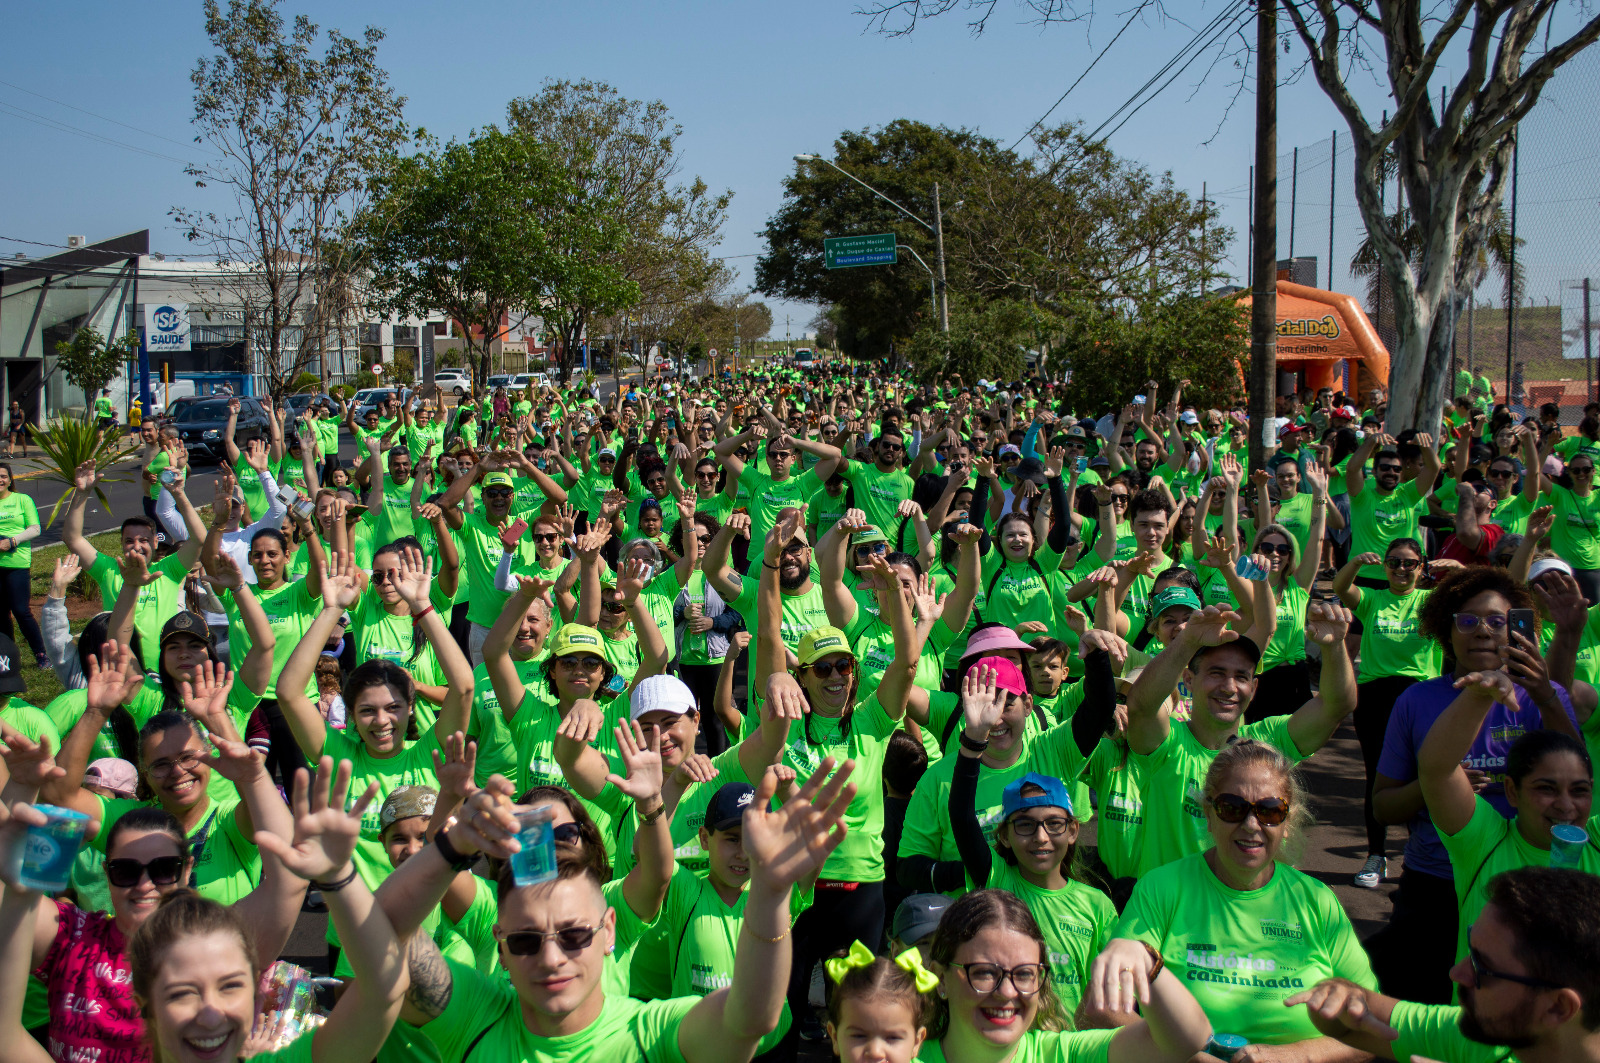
917 720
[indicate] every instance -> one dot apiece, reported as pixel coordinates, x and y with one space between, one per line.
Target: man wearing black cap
1219 668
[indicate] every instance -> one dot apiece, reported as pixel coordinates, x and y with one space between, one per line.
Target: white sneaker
1372 872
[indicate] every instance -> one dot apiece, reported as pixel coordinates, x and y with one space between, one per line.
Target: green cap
1162 600
819 642
866 536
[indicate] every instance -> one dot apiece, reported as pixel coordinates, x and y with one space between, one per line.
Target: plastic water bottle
48 851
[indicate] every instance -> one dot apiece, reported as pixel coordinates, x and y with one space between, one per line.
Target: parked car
169 413
499 380
367 398
455 381
200 424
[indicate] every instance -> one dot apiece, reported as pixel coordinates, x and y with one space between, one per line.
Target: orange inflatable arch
1323 336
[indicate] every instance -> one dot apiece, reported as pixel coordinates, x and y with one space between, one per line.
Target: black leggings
1374 702
16 583
701 679
1414 953
835 919
284 757
1280 691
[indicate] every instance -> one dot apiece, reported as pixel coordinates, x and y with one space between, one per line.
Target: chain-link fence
1557 228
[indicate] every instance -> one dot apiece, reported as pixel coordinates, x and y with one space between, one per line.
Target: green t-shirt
158 463
1571 446
1433 1031
873 642
1575 535
327 429
1076 921
801 612
418 437
157 602
533 733
483 1013
767 497
823 510
102 407
17 513
1288 643
1114 773
291 472
381 634
227 865
878 494
1513 513
395 519
497 753
1378 520
1174 779
1242 953
32 721
1295 514
1043 1046
1016 592
481 551
1391 642
290 613
1489 844
255 496
689 951
687 818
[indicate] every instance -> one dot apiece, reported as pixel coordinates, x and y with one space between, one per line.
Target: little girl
878 1010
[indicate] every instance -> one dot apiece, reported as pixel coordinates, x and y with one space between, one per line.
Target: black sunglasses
571 939
125 872
1402 564
1285 549
614 607
497 492
1386 468
843 667
1231 808
545 537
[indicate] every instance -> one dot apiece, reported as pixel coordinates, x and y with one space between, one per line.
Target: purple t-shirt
1414 713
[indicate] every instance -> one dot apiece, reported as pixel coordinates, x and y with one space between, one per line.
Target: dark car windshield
210 410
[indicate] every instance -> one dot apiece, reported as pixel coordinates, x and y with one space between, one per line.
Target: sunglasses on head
125 872
1231 808
825 669
570 939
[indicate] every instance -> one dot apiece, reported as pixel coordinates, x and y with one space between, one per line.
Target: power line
1221 32
1227 16
91 114
1144 4
51 123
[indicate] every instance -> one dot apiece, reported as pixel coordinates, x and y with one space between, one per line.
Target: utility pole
1264 266
938 235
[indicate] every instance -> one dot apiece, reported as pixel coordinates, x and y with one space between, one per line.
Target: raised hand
640 750
582 722
908 508
926 598
255 455
1527 666
631 580
457 771
1562 599
1056 461
983 702
136 570
84 476
569 519
30 764
1368 558
113 677
1496 685
234 761
1328 622
1540 521
67 568
590 542
613 503
228 577
1209 626
696 767
342 585
785 700
325 834
1232 471
791 843
204 695
1093 640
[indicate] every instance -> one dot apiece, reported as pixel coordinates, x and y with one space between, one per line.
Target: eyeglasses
825 670
1502 474
613 607
1231 808
1481 970
1581 470
1026 978
567 832
1282 549
586 661
892 448
1470 621
1402 564
385 575
1386 468
1025 827
872 549
1119 498
497 492
161 769
125 873
706 474
703 540
545 537
570 939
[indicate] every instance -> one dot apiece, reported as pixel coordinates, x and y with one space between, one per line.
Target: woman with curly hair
1467 614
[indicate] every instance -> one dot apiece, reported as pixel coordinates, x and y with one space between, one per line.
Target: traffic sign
875 250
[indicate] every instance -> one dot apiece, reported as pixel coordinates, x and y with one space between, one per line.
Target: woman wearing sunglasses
1575 536
1285 680
1549 782
996 1001
1395 653
150 856
1466 615
1270 930
383 629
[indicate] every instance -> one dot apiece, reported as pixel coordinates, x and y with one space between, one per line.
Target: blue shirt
1414 713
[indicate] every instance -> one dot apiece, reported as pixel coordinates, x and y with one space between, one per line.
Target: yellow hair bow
910 961
858 956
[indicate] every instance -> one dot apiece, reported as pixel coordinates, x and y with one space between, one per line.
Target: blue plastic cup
536 861
48 851
1567 843
1224 1045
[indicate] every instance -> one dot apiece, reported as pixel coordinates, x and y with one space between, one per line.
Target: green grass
43 686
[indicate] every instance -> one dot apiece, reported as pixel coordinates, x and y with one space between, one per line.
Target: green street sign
840 252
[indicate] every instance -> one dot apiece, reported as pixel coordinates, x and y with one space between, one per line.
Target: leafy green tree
450 358
292 139
986 341
650 248
476 231
89 361
1113 355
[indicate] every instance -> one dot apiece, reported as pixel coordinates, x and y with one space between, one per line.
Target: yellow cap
821 641
576 638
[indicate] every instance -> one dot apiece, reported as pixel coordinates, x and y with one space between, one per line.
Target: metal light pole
1264 264
936 229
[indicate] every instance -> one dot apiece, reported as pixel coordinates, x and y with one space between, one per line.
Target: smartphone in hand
1524 623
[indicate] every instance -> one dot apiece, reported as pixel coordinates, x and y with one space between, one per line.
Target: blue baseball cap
727 806
1054 795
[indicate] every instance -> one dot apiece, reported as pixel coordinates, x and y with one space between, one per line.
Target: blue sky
751 83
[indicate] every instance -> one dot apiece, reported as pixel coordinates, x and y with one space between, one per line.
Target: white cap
1281 423
1547 564
660 693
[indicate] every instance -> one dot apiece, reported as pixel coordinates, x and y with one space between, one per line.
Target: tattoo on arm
431 982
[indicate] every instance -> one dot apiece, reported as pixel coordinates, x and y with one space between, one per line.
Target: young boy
1047 667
